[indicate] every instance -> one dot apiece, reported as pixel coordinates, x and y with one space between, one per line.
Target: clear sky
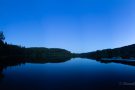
75 25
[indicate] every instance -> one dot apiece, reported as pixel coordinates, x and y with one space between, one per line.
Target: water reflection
1 72
65 76
125 62
14 62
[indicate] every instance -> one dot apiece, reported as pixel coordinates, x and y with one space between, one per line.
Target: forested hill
14 51
125 52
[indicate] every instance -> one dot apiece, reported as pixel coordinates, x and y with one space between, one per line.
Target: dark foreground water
75 74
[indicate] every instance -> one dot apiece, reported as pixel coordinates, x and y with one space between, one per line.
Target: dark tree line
125 52
15 51
8 50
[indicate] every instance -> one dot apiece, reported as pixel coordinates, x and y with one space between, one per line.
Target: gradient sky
75 25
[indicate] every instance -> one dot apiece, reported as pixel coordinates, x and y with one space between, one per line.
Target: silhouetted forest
126 52
8 51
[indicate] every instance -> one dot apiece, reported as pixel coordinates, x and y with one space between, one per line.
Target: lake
74 74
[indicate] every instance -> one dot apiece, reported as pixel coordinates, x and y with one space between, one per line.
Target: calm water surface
75 74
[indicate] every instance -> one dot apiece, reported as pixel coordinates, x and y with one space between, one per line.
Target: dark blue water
75 74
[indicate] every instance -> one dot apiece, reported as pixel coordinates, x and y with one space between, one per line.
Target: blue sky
75 25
